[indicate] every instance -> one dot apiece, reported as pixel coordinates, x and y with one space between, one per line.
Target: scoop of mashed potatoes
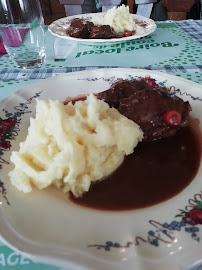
70 146
119 18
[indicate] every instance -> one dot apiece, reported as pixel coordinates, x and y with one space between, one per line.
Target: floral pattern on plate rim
9 128
188 219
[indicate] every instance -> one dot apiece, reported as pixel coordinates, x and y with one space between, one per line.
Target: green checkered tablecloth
175 48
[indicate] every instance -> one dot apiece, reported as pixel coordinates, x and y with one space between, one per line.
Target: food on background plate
71 146
115 23
120 19
102 31
79 28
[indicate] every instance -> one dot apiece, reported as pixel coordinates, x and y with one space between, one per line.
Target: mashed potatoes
120 19
70 146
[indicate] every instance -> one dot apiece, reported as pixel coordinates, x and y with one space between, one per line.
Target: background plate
47 227
59 28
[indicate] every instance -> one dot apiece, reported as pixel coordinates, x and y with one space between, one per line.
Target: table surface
175 48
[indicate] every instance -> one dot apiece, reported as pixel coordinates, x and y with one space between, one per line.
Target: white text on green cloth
145 43
13 259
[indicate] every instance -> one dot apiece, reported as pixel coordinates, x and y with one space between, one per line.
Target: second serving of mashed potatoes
71 146
119 18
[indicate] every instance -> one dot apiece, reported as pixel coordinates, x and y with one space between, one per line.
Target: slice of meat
80 28
102 31
122 89
147 106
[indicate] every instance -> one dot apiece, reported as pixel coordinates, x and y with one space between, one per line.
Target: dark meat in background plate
80 28
102 31
153 109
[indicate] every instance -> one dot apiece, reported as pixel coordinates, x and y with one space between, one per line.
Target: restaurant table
174 48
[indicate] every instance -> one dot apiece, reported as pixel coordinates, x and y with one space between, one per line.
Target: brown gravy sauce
154 173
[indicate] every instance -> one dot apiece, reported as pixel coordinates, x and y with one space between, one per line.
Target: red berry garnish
151 83
128 33
143 24
172 118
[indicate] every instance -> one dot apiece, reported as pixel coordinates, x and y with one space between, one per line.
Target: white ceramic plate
51 229
145 26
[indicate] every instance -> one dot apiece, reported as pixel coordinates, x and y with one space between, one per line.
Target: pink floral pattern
9 129
189 221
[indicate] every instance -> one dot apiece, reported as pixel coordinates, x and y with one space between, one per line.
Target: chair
74 7
174 9
108 4
177 9
144 7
